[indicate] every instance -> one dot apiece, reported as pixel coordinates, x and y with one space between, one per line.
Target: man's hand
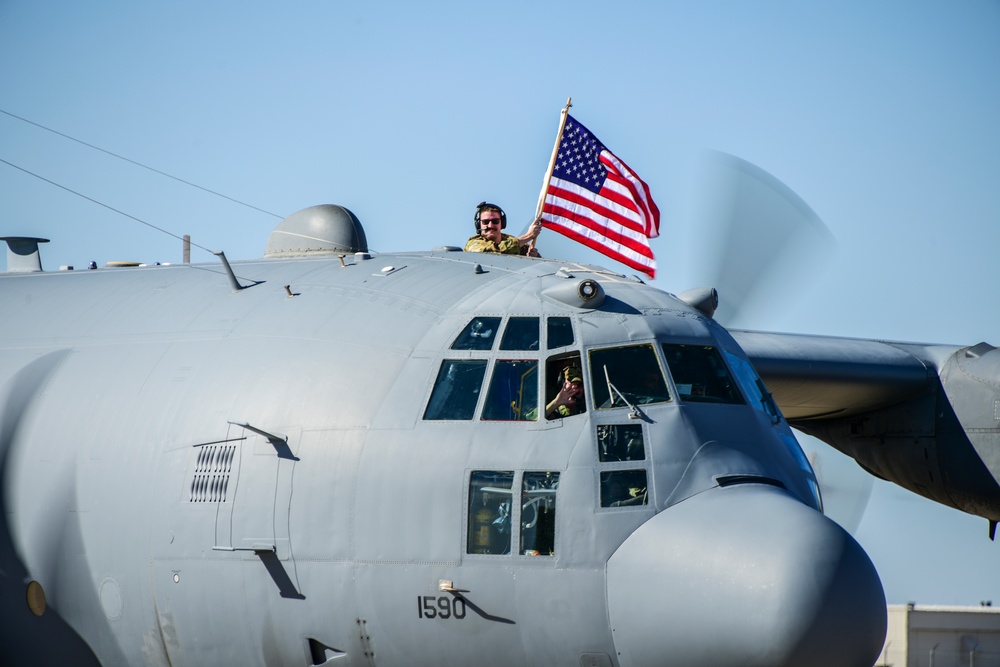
528 238
536 228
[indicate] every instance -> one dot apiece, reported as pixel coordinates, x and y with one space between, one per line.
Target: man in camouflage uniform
490 221
569 400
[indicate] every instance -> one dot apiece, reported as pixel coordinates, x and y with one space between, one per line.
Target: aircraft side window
700 375
478 334
795 449
538 513
624 376
456 391
560 332
623 488
522 333
513 393
564 393
490 494
753 386
620 442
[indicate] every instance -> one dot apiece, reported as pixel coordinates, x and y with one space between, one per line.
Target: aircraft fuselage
362 468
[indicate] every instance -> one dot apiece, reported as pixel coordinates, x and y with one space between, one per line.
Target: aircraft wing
813 377
926 417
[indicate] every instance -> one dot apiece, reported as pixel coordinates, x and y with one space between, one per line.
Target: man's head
490 220
573 380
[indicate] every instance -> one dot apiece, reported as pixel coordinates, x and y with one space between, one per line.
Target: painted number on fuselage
443 607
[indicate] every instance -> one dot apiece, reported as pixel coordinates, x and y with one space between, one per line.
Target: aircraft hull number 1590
444 607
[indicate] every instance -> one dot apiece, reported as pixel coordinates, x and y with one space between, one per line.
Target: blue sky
881 116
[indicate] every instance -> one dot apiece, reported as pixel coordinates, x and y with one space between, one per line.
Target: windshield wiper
612 390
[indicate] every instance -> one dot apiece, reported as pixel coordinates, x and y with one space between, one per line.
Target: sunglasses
491 221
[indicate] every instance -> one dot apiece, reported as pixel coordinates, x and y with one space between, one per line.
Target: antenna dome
318 230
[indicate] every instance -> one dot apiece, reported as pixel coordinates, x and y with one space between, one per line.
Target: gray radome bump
317 230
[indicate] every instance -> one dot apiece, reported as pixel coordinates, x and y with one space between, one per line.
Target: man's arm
533 231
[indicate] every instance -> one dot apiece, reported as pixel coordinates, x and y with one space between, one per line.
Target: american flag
595 199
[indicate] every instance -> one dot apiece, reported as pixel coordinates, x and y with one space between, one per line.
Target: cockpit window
560 332
623 488
513 394
623 376
478 334
456 390
522 333
620 442
564 393
538 513
490 494
700 374
754 387
495 500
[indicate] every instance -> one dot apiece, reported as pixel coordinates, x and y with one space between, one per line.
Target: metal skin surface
200 475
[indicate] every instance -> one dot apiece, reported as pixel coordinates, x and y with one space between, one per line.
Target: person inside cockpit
569 400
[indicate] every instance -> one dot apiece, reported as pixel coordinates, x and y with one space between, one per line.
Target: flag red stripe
587 200
615 232
618 197
613 238
647 268
640 191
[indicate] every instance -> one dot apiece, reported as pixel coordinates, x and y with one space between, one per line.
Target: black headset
486 206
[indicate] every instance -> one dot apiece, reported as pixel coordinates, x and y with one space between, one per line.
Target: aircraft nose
744 575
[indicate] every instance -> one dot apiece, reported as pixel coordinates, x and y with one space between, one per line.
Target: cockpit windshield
755 390
513 394
479 334
522 333
456 390
514 390
700 375
627 376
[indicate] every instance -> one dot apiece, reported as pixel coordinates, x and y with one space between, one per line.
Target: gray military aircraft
330 456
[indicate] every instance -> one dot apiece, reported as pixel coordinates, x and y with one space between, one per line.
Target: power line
110 208
138 164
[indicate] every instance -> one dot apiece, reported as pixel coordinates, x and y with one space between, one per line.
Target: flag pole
552 164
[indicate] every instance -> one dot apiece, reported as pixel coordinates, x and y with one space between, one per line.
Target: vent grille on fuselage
210 483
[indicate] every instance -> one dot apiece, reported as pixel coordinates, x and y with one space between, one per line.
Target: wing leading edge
926 417
815 377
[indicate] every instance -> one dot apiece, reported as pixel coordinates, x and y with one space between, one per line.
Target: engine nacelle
943 444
